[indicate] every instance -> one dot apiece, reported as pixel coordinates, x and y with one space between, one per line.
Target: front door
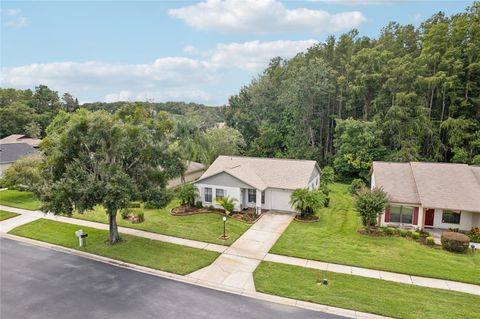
429 214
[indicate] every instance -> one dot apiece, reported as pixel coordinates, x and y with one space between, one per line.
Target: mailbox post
82 242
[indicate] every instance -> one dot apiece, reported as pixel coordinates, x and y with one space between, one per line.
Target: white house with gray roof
429 195
259 183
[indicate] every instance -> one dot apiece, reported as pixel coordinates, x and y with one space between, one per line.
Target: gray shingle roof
262 173
10 152
20 138
433 185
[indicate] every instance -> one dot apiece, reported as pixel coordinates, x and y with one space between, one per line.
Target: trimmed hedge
455 242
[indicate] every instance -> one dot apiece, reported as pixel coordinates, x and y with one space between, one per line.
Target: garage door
281 199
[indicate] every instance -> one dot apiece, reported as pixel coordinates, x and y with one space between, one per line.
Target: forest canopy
413 93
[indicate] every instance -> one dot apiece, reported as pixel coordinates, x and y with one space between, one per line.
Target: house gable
223 179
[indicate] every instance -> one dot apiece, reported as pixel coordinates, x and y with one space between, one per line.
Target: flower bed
185 210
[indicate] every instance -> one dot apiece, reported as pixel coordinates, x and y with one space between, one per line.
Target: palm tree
227 203
299 200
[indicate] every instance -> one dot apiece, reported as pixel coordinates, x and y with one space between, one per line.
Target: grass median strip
364 294
6 215
18 199
334 238
136 250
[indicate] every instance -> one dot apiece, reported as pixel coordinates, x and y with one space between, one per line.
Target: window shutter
415 215
387 214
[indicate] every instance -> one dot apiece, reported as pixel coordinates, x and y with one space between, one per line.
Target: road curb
205 284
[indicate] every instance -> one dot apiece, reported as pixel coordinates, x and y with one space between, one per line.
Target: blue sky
194 51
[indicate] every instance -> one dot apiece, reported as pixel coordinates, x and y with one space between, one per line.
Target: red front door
429 214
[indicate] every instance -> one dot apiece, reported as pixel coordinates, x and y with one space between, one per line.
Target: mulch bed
186 210
307 219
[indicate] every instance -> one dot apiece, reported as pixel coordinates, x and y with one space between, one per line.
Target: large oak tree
96 158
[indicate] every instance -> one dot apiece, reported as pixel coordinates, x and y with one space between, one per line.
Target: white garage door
281 199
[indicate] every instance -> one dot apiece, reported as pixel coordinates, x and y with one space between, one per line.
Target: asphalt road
37 282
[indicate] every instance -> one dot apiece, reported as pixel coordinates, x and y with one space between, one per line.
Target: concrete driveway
41 283
235 266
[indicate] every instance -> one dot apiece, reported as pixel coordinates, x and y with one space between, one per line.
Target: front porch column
258 202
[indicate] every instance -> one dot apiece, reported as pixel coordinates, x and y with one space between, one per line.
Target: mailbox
81 237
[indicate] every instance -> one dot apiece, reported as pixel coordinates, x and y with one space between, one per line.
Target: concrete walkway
234 268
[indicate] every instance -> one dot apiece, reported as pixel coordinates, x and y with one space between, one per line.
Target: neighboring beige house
260 183
193 172
20 138
429 195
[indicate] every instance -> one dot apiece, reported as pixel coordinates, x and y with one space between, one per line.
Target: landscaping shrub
134 205
389 231
356 185
139 217
126 212
403 233
430 241
397 231
415 236
187 194
409 233
455 242
474 235
199 204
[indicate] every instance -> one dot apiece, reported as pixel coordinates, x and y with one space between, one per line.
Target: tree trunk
113 236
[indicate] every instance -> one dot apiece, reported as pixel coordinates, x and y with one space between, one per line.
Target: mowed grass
364 294
6 215
335 239
136 250
203 227
18 199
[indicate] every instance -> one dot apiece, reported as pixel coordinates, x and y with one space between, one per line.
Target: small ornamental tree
187 194
370 204
96 158
227 203
23 174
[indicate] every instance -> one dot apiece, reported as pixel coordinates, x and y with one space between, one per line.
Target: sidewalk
235 266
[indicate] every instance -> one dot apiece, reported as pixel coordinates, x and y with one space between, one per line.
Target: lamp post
224 227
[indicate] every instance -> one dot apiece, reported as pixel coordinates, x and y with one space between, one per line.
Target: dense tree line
411 94
30 112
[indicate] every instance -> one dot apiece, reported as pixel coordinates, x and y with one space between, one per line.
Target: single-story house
259 183
10 152
192 173
20 138
429 195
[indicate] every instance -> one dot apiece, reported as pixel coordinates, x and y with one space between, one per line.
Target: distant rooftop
11 152
20 138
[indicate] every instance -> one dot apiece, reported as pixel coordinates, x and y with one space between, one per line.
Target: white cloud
166 78
13 18
356 2
255 55
263 16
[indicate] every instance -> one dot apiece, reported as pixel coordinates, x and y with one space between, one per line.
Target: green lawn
25 200
335 239
6 215
202 227
364 294
136 250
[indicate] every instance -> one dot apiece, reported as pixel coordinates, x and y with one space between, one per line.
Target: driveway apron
235 266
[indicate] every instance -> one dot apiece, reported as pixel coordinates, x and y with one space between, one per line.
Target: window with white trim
401 214
252 195
451 217
208 194
219 193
